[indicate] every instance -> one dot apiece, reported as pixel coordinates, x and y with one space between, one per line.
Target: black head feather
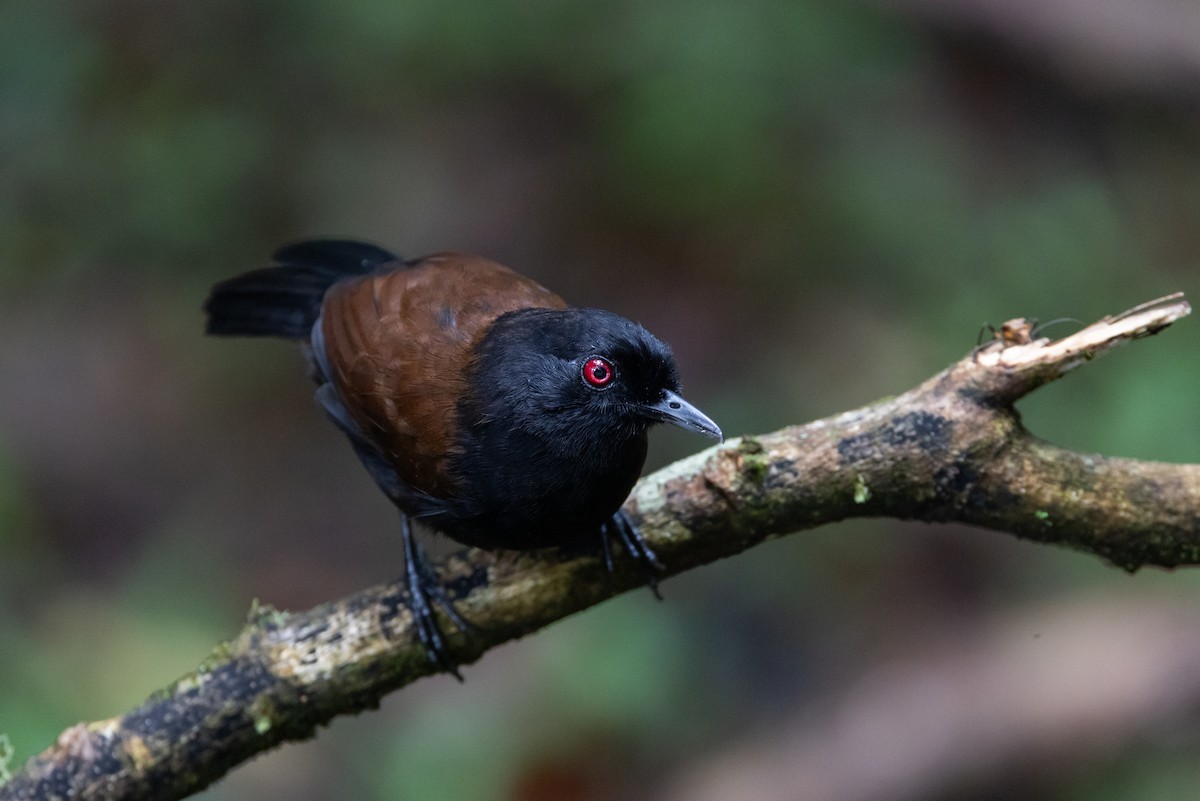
540 442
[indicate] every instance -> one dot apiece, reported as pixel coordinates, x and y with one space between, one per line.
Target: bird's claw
623 527
425 592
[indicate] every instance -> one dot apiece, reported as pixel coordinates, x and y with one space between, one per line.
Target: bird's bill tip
672 408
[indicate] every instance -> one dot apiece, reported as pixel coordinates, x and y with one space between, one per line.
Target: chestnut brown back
400 342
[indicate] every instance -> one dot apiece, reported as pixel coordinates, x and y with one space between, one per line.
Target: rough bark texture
951 449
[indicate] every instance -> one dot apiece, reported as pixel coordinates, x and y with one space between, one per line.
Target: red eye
598 372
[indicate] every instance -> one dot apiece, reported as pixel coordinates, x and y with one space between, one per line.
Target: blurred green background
816 203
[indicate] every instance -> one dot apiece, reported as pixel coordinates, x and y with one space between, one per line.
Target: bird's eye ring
598 372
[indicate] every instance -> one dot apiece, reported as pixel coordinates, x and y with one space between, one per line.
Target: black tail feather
285 300
343 255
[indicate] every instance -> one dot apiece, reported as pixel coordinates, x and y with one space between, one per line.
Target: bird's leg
606 545
622 527
425 591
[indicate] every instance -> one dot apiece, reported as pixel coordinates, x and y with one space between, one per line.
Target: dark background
817 203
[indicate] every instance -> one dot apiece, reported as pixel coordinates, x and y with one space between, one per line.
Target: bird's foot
622 527
426 592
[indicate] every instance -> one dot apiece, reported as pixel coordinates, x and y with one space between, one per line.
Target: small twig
1067 353
951 449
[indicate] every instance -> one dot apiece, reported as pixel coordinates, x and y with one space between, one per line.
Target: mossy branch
951 449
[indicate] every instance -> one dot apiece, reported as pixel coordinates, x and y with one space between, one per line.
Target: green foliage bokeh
818 203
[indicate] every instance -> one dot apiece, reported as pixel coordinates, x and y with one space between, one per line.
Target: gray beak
672 408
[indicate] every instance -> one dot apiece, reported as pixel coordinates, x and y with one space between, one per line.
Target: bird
483 405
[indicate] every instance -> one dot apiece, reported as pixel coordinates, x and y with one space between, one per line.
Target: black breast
518 493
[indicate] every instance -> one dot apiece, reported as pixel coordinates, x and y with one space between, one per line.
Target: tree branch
951 449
